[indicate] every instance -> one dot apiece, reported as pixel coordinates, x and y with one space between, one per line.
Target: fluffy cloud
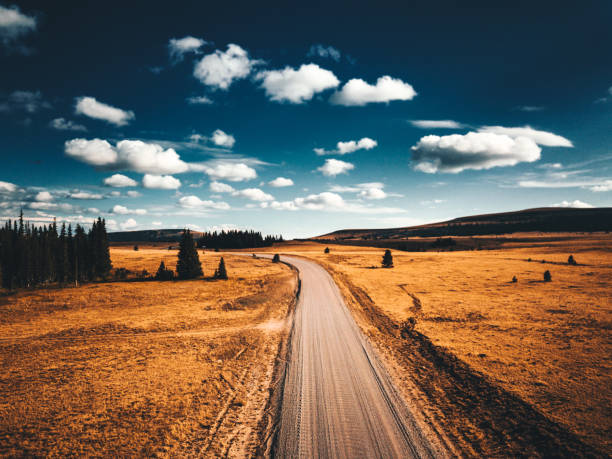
547 139
193 202
122 210
14 24
474 150
220 69
222 139
234 172
7 187
178 47
90 107
119 181
333 167
134 194
199 100
62 124
43 196
27 101
296 86
130 223
135 155
254 194
343 148
386 89
576 204
325 52
85 195
436 124
280 182
161 182
219 187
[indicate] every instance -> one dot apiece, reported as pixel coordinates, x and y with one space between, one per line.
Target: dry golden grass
142 368
548 343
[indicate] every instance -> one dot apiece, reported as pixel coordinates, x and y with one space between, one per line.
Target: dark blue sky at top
476 63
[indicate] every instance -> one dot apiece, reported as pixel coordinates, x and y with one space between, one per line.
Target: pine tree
276 258
326 250
221 272
387 260
188 265
164 274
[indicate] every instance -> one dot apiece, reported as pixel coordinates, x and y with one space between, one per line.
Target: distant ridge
157 235
546 219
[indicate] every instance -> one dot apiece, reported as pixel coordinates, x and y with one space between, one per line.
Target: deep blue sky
541 66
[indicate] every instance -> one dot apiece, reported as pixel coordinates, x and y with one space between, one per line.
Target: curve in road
338 399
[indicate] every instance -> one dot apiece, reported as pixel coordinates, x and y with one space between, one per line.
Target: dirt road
338 399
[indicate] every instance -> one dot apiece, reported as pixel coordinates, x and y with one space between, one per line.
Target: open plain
142 368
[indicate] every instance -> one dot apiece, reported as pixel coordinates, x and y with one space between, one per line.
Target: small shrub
164 274
326 250
547 276
387 260
221 272
571 261
144 274
135 248
254 256
276 258
529 259
514 280
121 273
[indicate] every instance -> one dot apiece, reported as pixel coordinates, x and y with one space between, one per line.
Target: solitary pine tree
276 258
221 272
387 260
326 250
188 266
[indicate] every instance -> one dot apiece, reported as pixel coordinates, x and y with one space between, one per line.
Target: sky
302 119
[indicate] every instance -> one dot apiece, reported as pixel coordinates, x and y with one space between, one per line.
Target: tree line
236 239
35 255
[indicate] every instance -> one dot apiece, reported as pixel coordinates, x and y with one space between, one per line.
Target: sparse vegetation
326 250
571 260
135 248
276 258
164 274
387 260
547 276
514 280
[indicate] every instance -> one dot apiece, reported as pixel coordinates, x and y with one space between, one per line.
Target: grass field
548 343
142 368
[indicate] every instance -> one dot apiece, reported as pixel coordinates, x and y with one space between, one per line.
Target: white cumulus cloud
134 155
254 194
122 210
576 204
547 139
7 187
178 47
296 86
43 196
222 139
193 202
119 181
130 223
160 182
333 167
14 24
280 182
220 187
474 150
343 148
90 107
325 52
234 172
358 92
85 195
221 68
436 124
